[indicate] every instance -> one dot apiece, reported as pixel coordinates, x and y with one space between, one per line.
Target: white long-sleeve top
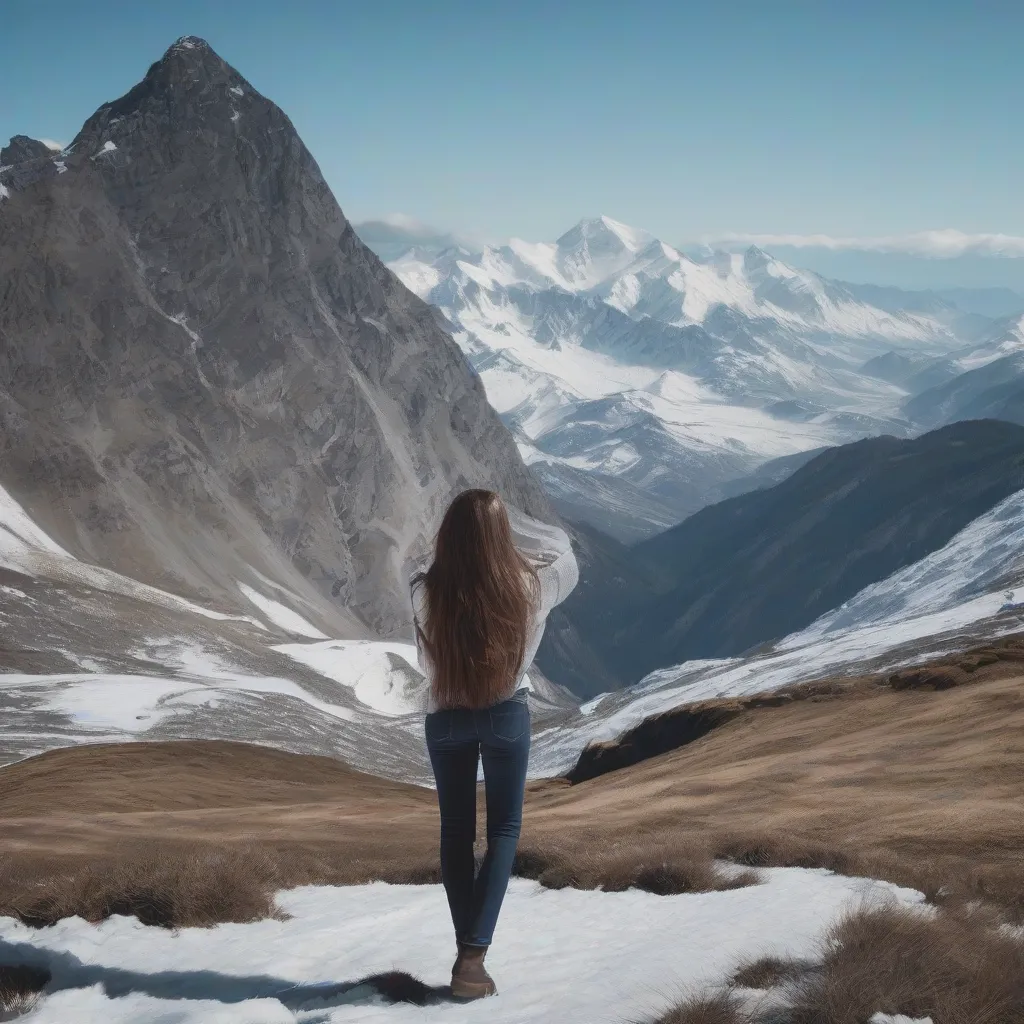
549 549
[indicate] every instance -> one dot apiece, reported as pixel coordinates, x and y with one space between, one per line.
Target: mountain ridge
756 567
206 378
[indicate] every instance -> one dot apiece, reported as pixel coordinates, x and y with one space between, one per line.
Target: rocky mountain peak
21 148
24 161
210 376
191 60
190 97
190 46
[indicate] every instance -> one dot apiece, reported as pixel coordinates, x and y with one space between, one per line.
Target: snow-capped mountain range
639 379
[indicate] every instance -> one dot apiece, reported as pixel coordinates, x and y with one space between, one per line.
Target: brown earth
887 775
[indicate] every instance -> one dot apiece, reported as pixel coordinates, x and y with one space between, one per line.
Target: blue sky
691 120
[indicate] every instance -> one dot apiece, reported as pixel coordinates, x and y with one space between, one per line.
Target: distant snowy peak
595 249
643 277
591 252
663 283
603 233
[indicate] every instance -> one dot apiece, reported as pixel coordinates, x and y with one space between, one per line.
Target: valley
623 365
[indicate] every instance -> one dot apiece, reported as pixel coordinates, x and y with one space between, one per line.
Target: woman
479 614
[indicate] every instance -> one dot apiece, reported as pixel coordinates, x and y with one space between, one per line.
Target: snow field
103 705
567 955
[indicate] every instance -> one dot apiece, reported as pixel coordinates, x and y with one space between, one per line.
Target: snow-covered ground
570 956
148 664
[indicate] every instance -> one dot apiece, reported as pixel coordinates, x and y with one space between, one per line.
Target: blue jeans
457 740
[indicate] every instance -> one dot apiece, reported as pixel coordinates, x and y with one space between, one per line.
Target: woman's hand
538 559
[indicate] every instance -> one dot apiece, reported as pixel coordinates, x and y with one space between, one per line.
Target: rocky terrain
207 381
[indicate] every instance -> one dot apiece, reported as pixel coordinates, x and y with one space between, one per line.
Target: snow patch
236 91
280 615
4 193
369 668
898 1018
110 705
19 535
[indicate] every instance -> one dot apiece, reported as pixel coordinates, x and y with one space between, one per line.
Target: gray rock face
206 378
25 161
21 149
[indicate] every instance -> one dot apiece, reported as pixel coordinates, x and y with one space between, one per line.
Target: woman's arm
557 579
549 550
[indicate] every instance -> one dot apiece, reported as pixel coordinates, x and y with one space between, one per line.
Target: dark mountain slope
761 565
992 391
609 572
206 378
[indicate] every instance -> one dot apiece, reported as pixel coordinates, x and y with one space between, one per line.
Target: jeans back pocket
510 720
437 726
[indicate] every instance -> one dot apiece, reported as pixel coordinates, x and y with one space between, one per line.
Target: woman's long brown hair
480 596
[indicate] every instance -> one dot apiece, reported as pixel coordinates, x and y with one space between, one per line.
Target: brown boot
470 979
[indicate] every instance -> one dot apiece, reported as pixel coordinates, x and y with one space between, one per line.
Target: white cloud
943 244
416 230
407 223
50 144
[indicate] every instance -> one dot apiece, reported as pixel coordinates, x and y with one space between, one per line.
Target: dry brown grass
918 785
178 885
651 867
947 881
716 1008
953 967
191 885
19 988
770 972
191 832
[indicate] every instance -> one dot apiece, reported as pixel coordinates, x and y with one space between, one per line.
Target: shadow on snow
66 971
